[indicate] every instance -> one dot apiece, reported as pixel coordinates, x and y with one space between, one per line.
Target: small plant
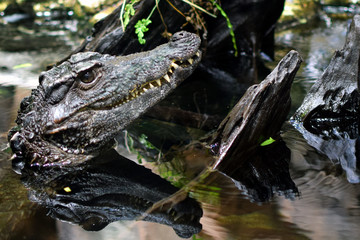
127 11
267 142
232 34
141 27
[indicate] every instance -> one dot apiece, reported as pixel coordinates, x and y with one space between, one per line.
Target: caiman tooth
158 82
191 61
145 89
150 85
133 94
174 65
170 70
167 78
197 54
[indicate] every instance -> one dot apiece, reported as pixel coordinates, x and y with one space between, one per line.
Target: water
328 207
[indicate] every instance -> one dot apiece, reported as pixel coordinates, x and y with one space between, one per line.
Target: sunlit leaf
24 65
267 142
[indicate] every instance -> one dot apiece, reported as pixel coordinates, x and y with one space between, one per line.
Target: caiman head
80 105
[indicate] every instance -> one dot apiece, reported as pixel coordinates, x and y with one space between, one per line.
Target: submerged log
329 115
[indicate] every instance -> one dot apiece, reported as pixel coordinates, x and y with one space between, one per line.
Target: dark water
327 208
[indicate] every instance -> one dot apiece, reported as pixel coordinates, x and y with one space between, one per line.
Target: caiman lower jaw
167 78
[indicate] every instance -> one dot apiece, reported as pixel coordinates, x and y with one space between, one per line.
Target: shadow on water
328 206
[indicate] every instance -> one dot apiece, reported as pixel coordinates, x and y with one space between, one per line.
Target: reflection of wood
185 118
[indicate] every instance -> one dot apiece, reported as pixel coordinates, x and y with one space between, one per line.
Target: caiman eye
87 77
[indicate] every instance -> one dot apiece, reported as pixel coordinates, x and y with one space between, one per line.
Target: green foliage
195 238
267 142
24 65
174 176
129 143
128 11
141 28
232 34
143 140
141 25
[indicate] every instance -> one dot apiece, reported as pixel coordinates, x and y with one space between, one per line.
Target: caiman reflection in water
110 188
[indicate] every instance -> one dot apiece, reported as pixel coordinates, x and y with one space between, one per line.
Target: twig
121 15
200 8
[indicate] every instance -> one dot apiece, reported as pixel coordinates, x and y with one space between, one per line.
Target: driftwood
332 104
329 115
259 115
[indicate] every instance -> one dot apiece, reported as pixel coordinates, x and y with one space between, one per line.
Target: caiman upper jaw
167 78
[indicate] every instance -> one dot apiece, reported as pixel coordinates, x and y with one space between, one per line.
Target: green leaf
129 12
267 142
24 65
141 28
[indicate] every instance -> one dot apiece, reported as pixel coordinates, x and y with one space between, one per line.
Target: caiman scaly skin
80 105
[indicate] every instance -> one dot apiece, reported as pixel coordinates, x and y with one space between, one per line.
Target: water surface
328 206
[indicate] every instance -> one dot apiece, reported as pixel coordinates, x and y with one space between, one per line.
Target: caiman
74 115
80 105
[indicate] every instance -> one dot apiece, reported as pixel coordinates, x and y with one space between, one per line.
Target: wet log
259 115
329 115
331 107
